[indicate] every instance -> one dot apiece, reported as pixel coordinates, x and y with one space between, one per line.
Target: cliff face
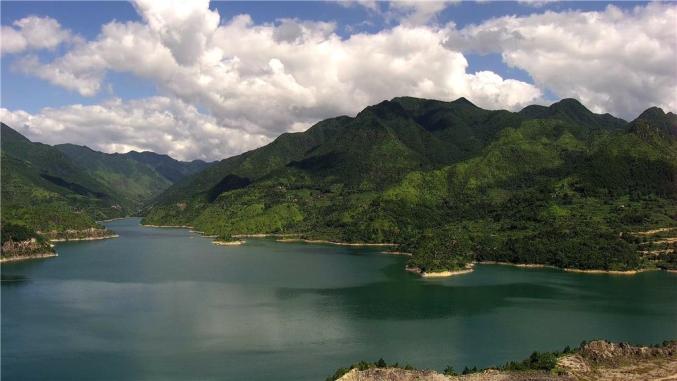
31 248
597 360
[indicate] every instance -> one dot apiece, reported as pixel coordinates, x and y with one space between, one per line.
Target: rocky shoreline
610 272
597 360
439 274
322 241
90 234
168 226
27 257
228 243
94 238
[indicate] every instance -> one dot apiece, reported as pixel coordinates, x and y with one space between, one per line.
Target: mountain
134 181
572 111
44 189
69 187
654 124
451 182
170 168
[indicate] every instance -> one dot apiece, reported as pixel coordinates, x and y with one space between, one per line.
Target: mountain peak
652 112
573 111
462 101
385 109
655 120
570 104
10 133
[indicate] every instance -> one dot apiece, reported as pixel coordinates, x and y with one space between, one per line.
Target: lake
167 304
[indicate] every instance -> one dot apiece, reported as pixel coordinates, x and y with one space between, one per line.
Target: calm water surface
166 304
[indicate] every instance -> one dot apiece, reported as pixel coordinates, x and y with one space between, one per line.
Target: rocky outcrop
27 249
597 360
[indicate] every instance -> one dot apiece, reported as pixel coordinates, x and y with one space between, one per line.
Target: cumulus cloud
259 80
32 33
158 124
268 78
184 27
614 61
417 12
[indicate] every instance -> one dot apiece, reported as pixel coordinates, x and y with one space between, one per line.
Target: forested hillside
53 190
453 183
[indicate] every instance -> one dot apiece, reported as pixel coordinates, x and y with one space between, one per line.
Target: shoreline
84 238
522 265
228 243
572 270
265 235
114 219
397 253
167 226
27 257
322 241
610 272
439 274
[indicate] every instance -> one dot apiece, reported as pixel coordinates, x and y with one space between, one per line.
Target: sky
208 80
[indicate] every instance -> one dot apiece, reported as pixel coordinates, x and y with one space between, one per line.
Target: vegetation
452 183
12 232
61 191
19 240
364 365
542 361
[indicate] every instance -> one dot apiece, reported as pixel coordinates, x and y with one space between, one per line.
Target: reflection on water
11 278
162 304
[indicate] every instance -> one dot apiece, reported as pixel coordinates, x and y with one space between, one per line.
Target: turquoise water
166 304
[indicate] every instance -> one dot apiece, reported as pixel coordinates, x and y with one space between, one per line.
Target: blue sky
337 58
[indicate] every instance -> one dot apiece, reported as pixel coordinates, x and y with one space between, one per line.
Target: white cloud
417 12
536 3
614 61
158 124
185 27
371 5
32 33
268 78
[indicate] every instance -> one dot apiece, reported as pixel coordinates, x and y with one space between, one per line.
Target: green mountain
170 168
133 181
450 182
44 189
69 187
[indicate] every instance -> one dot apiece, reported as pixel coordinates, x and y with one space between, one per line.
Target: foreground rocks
597 360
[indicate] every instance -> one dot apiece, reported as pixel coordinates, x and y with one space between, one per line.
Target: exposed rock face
602 360
597 360
392 374
32 248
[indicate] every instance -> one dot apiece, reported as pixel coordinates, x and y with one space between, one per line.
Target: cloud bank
33 33
243 83
612 61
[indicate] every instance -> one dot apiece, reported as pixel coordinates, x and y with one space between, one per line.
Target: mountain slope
170 168
134 181
68 187
46 191
449 181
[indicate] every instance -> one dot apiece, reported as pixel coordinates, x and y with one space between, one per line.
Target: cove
167 304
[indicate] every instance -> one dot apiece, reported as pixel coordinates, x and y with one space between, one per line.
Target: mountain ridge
408 170
54 189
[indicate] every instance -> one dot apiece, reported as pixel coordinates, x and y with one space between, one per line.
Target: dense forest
453 183
61 191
